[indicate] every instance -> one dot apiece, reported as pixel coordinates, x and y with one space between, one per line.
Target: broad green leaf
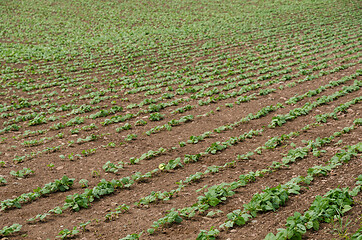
270 236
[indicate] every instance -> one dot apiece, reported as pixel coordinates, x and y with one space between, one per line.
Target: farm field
181 119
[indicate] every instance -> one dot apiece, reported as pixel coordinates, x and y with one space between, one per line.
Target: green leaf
229 224
346 208
301 228
270 236
213 201
316 225
240 221
309 225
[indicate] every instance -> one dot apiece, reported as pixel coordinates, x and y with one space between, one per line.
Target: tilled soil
65 154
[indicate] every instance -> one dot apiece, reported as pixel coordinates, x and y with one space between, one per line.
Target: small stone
233 230
59 168
254 221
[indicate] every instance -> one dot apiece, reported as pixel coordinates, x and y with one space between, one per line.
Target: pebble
59 168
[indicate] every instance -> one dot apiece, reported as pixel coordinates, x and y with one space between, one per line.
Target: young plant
208 235
133 236
84 225
2 181
10 230
88 152
74 131
73 156
111 167
126 126
140 123
50 165
66 233
25 172
156 116
131 137
119 210
95 173
60 135
171 217
83 183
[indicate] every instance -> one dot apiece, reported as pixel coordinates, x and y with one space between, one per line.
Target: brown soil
206 118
